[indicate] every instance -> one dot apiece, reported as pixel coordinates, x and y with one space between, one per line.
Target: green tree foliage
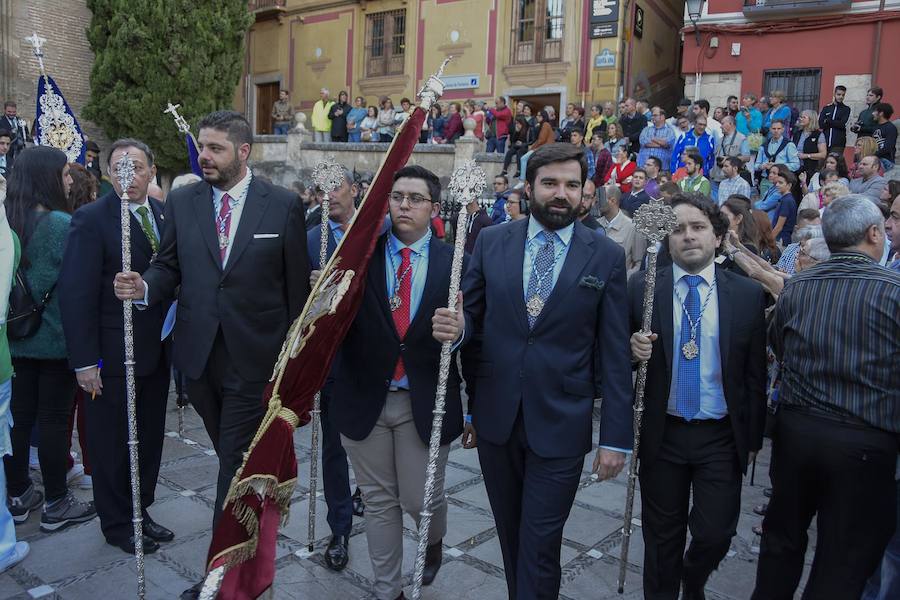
150 52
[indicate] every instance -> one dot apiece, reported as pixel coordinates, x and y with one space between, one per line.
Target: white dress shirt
712 394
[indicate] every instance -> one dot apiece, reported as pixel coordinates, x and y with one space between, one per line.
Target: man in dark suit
386 377
12 123
478 219
92 321
705 402
335 473
638 196
313 214
546 297
244 278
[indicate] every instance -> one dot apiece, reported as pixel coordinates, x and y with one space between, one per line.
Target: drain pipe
876 48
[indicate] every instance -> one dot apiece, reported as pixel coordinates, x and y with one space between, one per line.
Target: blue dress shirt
712 394
532 245
418 274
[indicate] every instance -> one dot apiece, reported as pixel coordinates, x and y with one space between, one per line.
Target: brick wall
67 56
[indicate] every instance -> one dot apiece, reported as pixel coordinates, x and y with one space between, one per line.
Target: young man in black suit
386 377
705 402
92 322
546 297
244 279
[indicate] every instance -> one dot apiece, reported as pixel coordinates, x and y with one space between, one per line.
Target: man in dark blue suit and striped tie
705 402
545 299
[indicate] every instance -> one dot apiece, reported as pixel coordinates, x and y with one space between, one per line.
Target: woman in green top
43 388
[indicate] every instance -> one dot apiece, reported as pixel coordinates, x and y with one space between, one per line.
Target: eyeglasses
415 200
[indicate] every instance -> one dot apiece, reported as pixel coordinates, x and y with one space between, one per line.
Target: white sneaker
20 551
75 472
33 461
85 483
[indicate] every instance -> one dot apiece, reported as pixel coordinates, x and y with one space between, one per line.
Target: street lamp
695 9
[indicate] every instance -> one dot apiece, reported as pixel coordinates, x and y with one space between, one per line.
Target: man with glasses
657 139
698 138
386 376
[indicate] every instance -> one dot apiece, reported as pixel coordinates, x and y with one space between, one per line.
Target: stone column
296 138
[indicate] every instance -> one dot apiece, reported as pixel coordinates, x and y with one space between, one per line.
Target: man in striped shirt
836 436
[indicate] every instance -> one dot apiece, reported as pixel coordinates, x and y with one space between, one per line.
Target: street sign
604 11
638 22
461 82
604 30
605 60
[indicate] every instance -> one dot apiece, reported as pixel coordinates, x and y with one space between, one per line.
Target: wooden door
266 96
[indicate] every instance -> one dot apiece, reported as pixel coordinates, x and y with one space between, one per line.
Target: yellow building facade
544 51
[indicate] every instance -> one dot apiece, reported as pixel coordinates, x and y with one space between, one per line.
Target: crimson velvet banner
258 499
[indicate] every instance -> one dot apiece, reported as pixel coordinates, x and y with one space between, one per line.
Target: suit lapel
514 258
723 293
254 208
580 248
664 304
377 281
206 220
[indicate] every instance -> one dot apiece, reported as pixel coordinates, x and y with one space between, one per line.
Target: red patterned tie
223 225
401 315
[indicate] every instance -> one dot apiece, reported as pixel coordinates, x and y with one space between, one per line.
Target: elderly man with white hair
320 121
834 330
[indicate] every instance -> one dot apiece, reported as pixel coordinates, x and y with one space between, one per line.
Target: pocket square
264 236
589 281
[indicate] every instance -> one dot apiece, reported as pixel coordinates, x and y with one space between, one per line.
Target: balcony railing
782 8
267 8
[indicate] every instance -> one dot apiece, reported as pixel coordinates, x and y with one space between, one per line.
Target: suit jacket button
221 286
530 341
402 347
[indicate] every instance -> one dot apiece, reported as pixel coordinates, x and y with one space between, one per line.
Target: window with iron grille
386 43
800 86
538 31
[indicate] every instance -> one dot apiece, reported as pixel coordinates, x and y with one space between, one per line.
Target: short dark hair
503 177
134 143
669 187
232 123
781 121
402 100
730 98
9 103
808 214
92 146
874 89
430 179
884 108
704 104
740 198
695 156
706 206
735 162
640 170
788 176
6 133
657 160
284 92
555 153
840 88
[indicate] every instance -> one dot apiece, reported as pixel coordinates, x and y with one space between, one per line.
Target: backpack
25 315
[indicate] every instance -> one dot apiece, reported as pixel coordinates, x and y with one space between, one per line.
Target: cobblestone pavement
77 564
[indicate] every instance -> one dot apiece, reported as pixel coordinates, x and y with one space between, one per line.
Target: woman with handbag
369 125
43 389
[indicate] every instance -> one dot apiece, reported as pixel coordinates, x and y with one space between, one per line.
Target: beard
226 175
552 220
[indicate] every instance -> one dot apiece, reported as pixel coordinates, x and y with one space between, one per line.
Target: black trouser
844 473
335 473
43 392
516 152
107 422
530 497
231 409
699 455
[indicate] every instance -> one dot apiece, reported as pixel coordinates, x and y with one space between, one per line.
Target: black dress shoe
155 531
692 593
359 507
338 552
767 492
192 593
127 546
433 556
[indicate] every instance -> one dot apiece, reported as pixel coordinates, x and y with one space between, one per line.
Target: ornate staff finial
125 173
328 175
180 122
655 220
433 87
467 182
37 48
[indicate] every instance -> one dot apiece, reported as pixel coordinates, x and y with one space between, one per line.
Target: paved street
76 564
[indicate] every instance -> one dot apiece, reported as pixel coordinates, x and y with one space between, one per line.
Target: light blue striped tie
541 281
687 395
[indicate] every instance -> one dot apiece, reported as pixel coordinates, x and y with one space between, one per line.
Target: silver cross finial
37 48
655 220
125 173
328 175
180 122
467 183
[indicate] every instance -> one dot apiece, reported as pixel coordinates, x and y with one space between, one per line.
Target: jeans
714 193
885 582
523 163
7 527
886 164
321 136
355 137
281 129
43 391
498 145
